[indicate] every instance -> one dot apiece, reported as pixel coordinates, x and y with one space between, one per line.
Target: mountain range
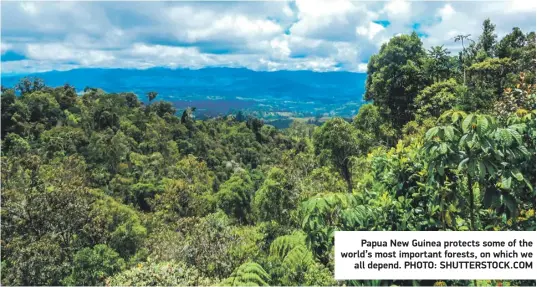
217 91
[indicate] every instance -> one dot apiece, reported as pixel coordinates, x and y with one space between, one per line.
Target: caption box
435 255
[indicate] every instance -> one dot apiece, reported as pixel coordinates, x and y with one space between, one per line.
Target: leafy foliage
248 274
276 198
93 265
395 76
101 189
339 142
159 274
434 100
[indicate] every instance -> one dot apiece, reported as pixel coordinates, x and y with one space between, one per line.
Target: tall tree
463 53
487 40
511 45
438 65
528 57
396 75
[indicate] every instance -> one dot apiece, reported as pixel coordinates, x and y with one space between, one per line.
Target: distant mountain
221 90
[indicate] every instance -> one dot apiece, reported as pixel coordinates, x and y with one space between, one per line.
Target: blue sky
285 35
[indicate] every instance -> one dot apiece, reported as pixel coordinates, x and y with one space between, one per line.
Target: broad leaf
491 196
467 123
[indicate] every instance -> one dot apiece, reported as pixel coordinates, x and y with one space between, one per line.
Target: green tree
373 128
463 54
511 45
10 111
276 198
92 266
43 111
116 225
521 98
44 208
28 85
478 148
439 63
235 195
291 257
438 98
486 83
66 96
487 40
340 140
527 61
395 76
15 145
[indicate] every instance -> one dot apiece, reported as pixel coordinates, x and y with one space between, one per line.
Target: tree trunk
472 204
348 177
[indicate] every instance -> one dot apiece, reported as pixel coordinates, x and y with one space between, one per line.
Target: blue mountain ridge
215 91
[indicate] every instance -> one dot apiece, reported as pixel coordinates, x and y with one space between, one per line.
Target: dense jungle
102 189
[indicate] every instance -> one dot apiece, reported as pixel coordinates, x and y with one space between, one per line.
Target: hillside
101 189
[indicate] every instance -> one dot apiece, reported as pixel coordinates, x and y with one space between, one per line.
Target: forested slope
102 189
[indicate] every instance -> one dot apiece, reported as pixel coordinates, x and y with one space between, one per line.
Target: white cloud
325 19
322 8
370 30
362 67
60 52
234 26
4 47
280 48
34 66
288 11
446 12
314 64
161 51
320 35
397 8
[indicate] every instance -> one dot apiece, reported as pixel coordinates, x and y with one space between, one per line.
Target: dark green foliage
395 77
478 149
439 65
276 198
487 40
92 266
151 96
235 195
486 82
100 189
340 142
373 128
29 85
9 110
162 109
511 45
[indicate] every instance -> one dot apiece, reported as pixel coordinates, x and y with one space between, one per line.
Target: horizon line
2 74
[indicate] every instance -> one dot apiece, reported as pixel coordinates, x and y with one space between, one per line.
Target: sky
334 35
